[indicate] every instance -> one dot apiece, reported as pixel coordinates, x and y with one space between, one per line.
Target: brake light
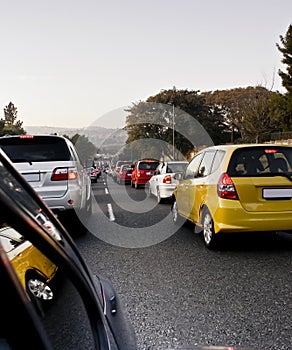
26 136
167 179
226 188
269 151
61 174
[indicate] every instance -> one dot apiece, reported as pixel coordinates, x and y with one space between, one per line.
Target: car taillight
61 174
167 179
26 136
226 188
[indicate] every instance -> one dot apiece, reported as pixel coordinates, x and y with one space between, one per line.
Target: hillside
105 139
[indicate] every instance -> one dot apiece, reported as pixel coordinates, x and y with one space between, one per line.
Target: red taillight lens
61 174
26 136
226 188
270 151
167 179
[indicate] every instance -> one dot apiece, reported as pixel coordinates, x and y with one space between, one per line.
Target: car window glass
193 167
147 165
217 160
206 164
45 149
8 242
176 167
261 161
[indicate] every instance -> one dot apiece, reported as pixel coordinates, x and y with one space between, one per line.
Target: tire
176 217
40 293
209 236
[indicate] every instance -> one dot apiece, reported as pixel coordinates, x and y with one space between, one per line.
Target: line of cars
224 189
157 176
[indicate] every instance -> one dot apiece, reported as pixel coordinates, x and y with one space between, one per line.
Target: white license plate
32 177
277 193
129 174
149 173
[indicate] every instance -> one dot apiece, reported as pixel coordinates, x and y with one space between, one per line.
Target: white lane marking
110 212
106 191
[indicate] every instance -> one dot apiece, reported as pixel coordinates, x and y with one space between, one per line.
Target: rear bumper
236 219
166 191
140 181
72 199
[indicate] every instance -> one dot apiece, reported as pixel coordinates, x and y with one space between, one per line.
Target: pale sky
69 63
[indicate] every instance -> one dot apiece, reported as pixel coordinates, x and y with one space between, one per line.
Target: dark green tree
286 50
175 115
283 102
86 149
9 125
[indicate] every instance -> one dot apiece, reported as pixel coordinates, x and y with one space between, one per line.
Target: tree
233 104
286 50
175 115
86 149
257 122
9 125
284 102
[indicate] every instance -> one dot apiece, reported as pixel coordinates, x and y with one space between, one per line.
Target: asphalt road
174 290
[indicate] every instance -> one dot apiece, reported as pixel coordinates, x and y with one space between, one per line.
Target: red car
143 170
125 174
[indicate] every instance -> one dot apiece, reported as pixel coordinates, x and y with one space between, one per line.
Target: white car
162 183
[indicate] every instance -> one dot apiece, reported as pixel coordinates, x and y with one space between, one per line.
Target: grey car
51 165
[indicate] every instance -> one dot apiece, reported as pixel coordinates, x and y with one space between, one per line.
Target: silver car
51 165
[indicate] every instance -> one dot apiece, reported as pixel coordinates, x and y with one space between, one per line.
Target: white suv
52 167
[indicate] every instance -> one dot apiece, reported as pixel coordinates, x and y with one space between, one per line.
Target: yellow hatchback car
34 270
236 188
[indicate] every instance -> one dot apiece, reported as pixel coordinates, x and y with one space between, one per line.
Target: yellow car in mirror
34 270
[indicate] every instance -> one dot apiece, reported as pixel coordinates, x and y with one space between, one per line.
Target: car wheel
39 289
210 238
40 293
176 217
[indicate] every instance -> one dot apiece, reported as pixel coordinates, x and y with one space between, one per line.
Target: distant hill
107 140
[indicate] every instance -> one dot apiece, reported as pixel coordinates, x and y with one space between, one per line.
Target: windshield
196 98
